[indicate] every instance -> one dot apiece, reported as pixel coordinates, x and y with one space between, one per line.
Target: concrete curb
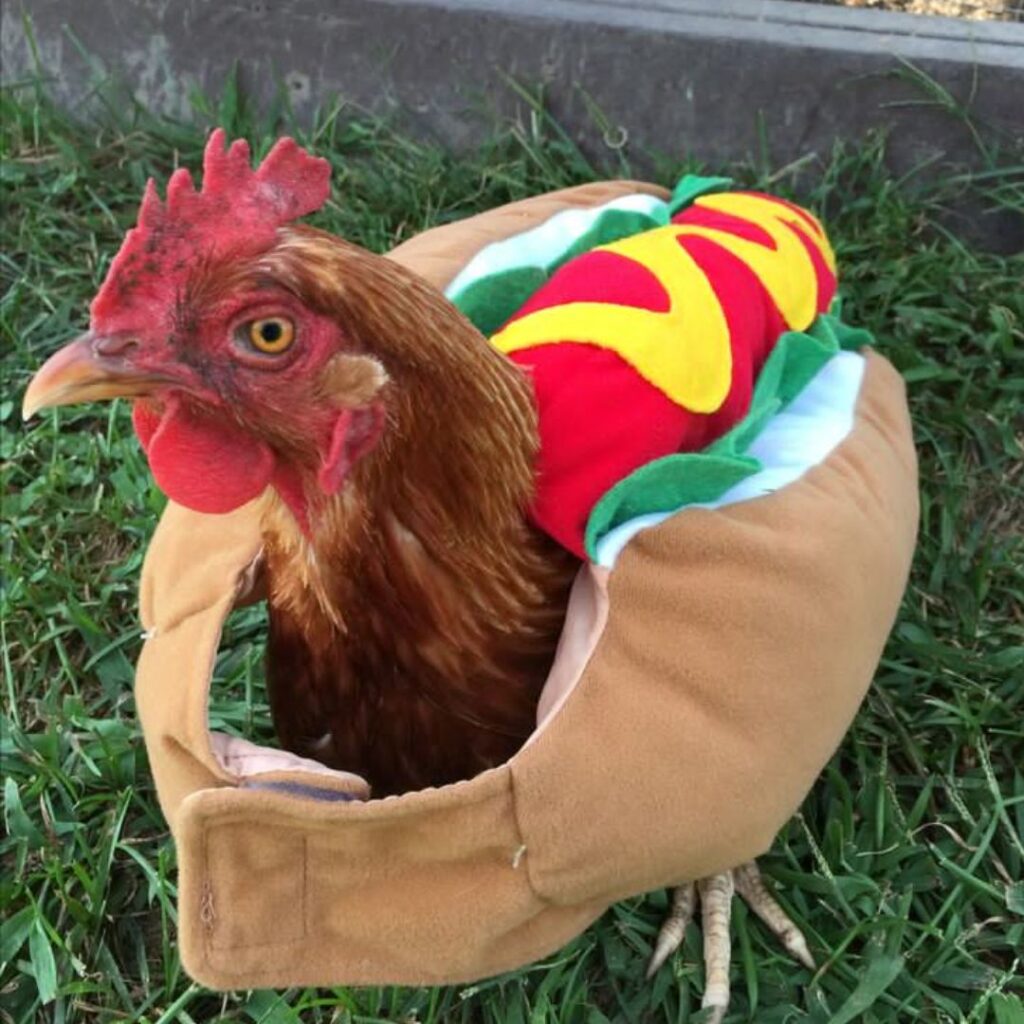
674 77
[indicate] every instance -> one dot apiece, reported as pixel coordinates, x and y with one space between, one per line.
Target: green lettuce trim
693 186
672 482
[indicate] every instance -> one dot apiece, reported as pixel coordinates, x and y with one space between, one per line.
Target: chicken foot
716 895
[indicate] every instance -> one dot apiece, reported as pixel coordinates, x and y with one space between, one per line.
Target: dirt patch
975 10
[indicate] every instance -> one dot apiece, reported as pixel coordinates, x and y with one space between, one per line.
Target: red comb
238 210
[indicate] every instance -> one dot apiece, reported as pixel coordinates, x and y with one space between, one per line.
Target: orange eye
273 335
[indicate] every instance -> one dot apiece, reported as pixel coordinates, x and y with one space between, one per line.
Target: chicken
413 610
414 607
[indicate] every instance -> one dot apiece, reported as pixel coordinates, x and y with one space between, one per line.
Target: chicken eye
272 335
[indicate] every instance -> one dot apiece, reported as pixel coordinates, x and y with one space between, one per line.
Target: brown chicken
413 609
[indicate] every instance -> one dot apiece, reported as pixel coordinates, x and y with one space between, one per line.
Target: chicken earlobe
356 432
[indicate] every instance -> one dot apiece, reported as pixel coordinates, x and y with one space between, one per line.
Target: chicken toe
716 918
673 928
716 895
751 887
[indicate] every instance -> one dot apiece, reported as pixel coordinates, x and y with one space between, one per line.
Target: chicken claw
673 928
716 895
749 885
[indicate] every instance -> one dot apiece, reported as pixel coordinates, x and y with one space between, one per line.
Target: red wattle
145 421
205 465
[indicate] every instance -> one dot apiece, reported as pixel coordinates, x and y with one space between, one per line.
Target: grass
905 864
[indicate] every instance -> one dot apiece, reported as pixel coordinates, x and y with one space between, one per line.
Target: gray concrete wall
677 77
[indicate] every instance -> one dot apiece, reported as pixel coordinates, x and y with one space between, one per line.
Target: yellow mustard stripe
777 210
786 272
767 213
685 352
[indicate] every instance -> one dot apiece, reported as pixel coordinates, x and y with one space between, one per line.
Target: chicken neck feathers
411 633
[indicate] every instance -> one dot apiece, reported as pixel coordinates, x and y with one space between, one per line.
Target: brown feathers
412 630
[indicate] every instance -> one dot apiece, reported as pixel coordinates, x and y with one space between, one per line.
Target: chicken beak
91 368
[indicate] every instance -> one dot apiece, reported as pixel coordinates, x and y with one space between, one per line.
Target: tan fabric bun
700 687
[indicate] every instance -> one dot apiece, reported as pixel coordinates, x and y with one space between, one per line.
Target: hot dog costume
742 480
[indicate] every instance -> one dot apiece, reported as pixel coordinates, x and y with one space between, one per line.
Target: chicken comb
238 210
